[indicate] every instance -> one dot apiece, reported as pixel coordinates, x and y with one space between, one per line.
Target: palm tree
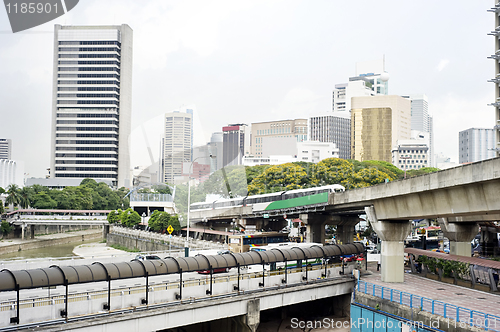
25 197
13 196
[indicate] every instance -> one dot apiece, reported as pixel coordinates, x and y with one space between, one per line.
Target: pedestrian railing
453 312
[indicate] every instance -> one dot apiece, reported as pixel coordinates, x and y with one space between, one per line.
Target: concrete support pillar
252 318
315 231
32 231
345 234
23 227
392 233
342 305
105 231
460 233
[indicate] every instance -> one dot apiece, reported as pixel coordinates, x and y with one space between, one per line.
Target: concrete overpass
459 197
177 303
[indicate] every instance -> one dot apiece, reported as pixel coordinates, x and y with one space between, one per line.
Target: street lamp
186 245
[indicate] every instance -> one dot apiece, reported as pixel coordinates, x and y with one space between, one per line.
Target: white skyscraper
476 144
176 145
5 148
421 121
91 105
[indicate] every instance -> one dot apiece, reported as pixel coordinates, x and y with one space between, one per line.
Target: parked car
146 257
218 270
221 270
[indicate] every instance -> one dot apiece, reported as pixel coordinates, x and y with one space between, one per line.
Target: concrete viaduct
461 198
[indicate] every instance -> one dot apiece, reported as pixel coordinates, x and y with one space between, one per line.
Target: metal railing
456 313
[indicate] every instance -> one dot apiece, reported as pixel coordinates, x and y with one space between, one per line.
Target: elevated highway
460 198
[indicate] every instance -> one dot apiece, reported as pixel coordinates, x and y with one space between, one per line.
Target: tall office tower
371 79
333 128
236 144
215 148
176 145
476 144
5 148
91 104
496 79
276 130
377 123
421 120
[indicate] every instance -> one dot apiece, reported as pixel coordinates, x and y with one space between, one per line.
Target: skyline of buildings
91 103
70 56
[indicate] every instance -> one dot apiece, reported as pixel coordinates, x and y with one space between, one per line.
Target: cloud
442 64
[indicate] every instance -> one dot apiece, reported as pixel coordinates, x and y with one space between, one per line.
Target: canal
55 251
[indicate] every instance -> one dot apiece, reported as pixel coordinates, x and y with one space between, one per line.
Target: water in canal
56 251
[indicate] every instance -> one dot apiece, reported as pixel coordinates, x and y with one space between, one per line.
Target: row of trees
128 217
236 181
89 195
159 220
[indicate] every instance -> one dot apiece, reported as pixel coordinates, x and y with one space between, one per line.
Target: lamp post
186 245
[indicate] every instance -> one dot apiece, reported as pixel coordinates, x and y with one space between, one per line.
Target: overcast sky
253 61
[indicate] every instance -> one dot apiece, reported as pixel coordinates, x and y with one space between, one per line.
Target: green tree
26 195
43 201
5 227
130 218
13 196
174 222
2 210
159 221
279 178
2 191
114 216
88 182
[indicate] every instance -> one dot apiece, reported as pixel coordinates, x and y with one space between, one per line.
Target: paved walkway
461 296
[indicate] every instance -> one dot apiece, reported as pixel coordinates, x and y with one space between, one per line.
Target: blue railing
450 311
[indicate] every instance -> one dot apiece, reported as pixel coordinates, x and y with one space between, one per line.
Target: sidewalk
461 296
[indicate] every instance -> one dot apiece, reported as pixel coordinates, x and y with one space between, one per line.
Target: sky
254 61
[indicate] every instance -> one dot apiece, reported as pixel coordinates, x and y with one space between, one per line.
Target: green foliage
417 172
2 191
174 221
5 227
159 221
130 218
114 216
43 200
13 196
449 268
2 209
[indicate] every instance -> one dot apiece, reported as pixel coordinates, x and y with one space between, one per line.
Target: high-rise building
215 148
91 104
283 129
332 128
476 144
176 145
496 79
421 121
236 144
377 123
371 79
5 149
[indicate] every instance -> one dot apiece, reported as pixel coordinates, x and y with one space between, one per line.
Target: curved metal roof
60 275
